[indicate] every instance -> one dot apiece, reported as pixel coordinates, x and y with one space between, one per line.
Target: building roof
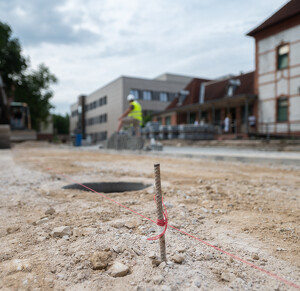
174 78
215 90
194 88
290 10
218 90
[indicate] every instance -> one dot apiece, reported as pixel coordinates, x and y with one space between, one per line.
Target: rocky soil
62 239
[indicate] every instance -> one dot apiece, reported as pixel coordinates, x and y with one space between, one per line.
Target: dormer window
283 57
181 99
232 85
182 96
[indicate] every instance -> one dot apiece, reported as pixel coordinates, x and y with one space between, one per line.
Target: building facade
270 95
277 75
96 115
210 101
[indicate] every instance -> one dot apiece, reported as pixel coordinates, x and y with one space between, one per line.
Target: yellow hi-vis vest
136 112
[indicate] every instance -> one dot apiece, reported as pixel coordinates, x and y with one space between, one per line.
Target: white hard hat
130 97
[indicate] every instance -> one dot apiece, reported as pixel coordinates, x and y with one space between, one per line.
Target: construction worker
132 116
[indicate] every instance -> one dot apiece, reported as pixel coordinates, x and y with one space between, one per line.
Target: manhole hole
109 187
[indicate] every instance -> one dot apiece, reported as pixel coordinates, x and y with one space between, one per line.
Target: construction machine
15 121
5 132
20 122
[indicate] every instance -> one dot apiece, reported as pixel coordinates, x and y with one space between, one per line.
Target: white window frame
135 93
163 96
147 95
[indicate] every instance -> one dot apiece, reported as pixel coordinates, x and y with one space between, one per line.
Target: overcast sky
88 43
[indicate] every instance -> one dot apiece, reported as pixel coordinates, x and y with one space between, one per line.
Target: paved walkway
232 154
218 154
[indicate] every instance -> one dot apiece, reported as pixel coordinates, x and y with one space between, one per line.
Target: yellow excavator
4 119
15 121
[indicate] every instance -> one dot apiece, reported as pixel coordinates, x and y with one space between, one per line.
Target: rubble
50 211
12 229
100 260
18 265
177 259
41 221
68 257
118 270
61 231
227 277
124 141
158 279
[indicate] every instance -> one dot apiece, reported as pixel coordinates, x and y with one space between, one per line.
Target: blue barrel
78 140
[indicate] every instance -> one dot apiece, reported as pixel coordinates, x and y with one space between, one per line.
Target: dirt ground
251 211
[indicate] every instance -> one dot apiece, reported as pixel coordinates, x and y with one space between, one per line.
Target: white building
277 76
97 114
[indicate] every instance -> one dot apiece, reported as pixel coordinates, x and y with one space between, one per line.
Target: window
147 95
102 101
163 96
168 120
181 99
232 86
135 93
192 118
171 96
217 120
283 57
282 109
203 116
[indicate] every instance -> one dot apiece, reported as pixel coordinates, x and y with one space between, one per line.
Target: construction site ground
250 210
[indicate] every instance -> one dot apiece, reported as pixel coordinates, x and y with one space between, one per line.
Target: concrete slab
221 154
234 155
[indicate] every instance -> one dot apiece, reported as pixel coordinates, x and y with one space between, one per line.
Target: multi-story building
210 101
277 75
270 95
96 115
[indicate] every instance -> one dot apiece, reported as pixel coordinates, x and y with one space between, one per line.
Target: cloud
43 22
89 43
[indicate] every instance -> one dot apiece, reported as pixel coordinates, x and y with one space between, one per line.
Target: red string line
183 232
161 222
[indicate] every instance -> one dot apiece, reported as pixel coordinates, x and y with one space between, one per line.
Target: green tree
34 89
61 123
22 84
12 63
146 118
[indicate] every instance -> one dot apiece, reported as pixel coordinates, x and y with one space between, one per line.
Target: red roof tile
291 9
218 89
194 88
215 90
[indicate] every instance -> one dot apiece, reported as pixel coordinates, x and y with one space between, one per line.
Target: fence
210 131
269 129
188 131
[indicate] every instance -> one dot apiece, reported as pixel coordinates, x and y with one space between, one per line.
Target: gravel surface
62 239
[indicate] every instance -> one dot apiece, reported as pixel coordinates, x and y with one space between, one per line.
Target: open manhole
109 187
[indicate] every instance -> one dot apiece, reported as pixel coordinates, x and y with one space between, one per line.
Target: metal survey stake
159 207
